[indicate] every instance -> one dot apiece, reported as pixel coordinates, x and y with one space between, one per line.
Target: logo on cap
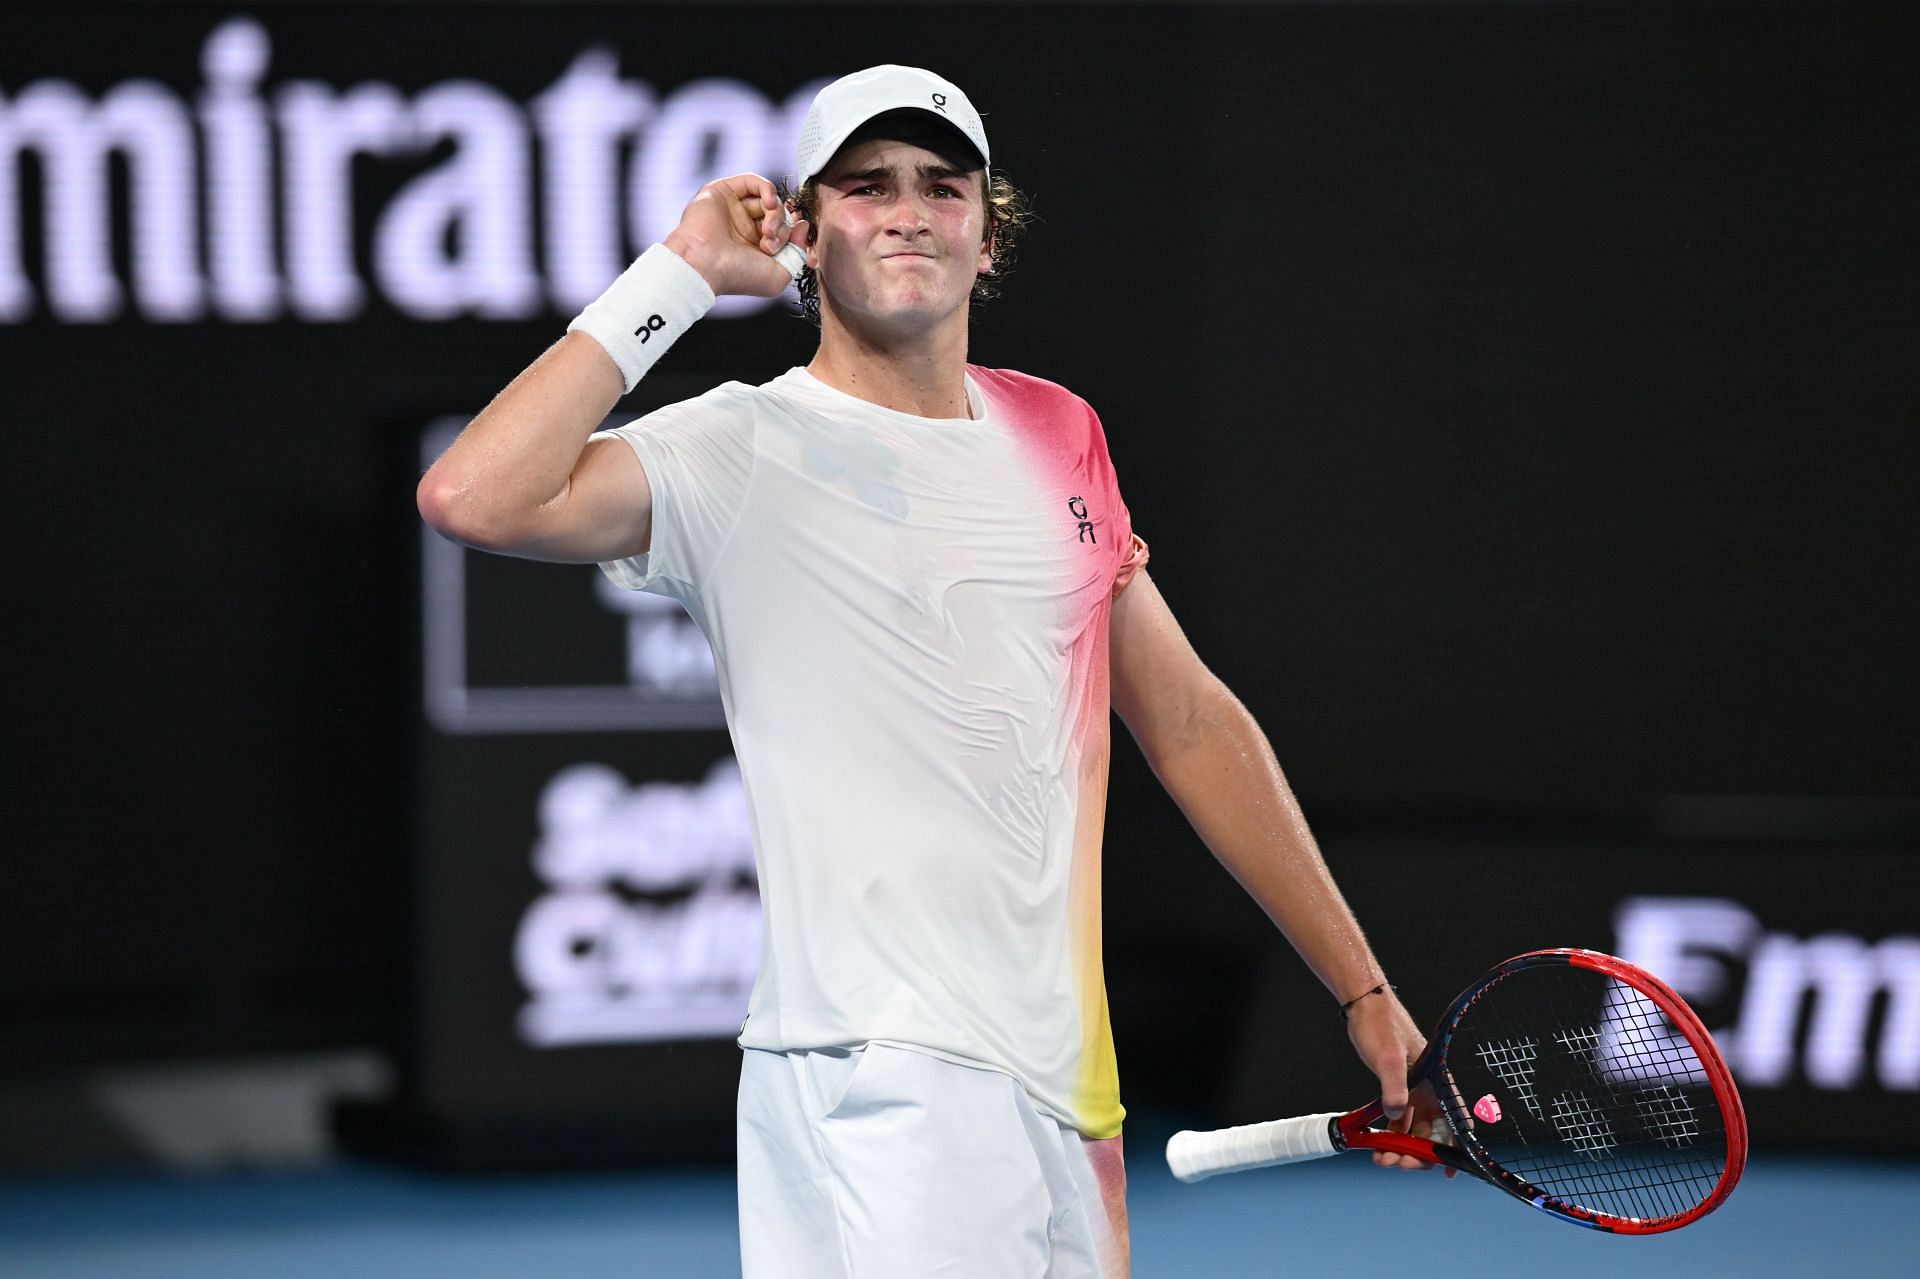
940 102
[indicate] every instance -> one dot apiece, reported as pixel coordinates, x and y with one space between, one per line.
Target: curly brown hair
1008 209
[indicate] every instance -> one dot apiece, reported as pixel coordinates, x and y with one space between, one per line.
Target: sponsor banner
246 191
649 925
588 928
587 924
1836 1012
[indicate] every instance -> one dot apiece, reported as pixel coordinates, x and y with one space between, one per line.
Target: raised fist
729 233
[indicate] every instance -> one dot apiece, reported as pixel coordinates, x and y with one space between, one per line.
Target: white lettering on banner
141 121
239 164
581 121
491 274
323 131
458 240
651 925
1826 986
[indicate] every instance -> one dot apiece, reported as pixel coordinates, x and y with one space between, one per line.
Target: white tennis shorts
886 1163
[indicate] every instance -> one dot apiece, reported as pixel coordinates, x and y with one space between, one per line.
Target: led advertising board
586 905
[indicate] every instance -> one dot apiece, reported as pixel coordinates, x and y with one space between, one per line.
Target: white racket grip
1193 1155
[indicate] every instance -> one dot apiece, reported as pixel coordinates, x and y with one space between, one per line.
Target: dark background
1514 397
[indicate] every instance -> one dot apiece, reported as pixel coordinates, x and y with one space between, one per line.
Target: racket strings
1603 1105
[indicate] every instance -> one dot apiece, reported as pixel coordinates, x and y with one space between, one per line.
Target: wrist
645 311
1383 989
693 253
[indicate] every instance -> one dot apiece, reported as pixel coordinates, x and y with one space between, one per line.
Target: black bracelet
1381 989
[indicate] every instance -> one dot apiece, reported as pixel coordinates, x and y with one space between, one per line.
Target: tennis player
924 596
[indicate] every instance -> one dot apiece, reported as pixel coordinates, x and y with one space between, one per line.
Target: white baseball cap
851 101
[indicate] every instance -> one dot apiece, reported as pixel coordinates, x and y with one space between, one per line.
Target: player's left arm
1213 758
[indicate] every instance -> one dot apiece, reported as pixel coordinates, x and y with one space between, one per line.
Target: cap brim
830 146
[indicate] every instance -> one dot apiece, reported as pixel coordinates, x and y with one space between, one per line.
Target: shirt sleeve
698 456
1136 559
1130 551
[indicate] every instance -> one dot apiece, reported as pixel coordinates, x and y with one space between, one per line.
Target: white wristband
644 311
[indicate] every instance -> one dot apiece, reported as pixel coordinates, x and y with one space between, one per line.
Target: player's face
900 235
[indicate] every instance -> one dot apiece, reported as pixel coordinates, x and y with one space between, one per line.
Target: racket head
1586 1087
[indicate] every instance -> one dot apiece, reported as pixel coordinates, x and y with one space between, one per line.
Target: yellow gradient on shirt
1096 1094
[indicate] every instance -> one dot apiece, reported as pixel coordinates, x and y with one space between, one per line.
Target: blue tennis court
1790 1216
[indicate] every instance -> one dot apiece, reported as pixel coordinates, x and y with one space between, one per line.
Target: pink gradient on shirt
1061 435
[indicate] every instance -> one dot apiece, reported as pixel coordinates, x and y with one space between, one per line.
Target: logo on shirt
1078 505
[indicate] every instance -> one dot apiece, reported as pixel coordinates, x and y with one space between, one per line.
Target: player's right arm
525 478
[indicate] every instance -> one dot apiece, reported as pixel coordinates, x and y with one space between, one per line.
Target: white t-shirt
909 618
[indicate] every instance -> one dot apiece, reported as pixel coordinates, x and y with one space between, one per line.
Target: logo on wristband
653 325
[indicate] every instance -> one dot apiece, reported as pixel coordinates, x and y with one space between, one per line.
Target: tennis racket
1569 1079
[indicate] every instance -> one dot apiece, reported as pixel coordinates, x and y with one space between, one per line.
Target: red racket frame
1354 1131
